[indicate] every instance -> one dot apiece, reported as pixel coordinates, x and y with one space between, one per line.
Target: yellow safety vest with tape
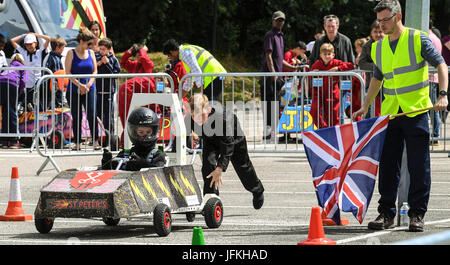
405 74
207 62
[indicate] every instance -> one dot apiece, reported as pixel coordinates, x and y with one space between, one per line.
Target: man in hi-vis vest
197 60
401 66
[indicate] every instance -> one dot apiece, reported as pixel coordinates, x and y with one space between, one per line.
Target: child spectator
53 62
33 57
107 63
325 100
291 56
12 83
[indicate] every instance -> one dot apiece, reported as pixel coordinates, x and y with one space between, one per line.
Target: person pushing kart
223 142
143 130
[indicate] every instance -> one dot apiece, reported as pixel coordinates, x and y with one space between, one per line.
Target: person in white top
33 58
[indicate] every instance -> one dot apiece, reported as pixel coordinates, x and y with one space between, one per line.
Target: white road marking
380 233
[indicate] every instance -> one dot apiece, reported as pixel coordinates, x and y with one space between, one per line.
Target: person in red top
325 101
141 64
176 70
291 56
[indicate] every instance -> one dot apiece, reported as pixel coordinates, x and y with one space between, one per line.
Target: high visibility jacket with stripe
405 73
207 62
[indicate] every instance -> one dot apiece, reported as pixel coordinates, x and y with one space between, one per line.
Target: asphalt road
283 220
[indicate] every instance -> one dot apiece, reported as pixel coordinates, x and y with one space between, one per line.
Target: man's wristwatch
442 93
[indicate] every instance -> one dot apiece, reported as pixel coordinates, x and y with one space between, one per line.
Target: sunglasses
329 16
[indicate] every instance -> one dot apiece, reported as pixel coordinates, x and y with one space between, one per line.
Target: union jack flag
344 161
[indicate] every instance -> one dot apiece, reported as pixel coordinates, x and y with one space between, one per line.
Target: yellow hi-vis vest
405 74
207 62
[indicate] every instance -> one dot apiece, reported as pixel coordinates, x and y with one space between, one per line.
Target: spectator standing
342 45
96 29
291 56
3 61
434 90
53 62
366 63
107 63
140 65
359 43
33 57
272 61
319 33
446 55
12 83
82 91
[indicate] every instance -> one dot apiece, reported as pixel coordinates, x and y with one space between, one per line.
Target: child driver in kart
143 130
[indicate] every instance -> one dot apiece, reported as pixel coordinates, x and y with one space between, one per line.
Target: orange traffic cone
329 222
15 212
316 234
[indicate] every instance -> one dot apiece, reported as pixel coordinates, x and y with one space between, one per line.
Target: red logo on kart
90 179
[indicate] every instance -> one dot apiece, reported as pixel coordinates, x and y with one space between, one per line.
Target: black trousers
105 111
270 98
241 163
214 89
415 133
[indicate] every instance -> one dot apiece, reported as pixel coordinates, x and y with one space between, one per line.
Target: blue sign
317 81
346 85
159 86
293 119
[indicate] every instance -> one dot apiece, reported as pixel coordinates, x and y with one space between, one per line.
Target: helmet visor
143 135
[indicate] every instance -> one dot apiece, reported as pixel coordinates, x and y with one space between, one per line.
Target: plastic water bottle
404 218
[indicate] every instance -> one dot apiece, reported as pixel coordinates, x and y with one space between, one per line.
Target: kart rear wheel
56 140
162 220
213 212
44 225
110 221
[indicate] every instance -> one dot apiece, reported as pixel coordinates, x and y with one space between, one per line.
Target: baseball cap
30 38
278 14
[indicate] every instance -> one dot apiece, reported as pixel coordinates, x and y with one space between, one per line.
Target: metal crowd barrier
71 138
241 93
242 97
26 113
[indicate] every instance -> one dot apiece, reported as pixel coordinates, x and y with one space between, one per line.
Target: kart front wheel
162 220
213 212
44 225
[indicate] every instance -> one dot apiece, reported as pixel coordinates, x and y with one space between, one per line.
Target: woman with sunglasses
82 91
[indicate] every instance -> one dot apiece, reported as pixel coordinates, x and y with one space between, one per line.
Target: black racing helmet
146 118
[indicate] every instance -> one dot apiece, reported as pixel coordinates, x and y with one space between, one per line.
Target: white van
49 17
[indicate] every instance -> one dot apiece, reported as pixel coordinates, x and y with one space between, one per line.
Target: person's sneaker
258 200
381 222
14 145
416 223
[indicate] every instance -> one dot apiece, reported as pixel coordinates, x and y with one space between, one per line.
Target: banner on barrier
296 119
